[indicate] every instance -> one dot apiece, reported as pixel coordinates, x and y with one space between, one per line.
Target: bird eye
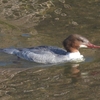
82 41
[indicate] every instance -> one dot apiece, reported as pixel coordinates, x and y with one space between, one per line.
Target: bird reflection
73 72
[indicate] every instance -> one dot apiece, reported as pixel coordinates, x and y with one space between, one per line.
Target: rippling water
48 22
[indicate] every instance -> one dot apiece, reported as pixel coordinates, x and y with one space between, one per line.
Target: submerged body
46 54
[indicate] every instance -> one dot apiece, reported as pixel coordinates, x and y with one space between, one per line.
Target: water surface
48 22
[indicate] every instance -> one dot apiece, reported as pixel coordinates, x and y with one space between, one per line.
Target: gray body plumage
42 54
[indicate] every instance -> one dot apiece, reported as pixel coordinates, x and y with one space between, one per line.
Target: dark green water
57 19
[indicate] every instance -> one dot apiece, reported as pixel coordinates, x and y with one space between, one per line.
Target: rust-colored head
73 42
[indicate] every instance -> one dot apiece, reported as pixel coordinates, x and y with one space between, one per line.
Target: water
46 22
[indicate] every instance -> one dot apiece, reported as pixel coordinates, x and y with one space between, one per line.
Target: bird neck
71 49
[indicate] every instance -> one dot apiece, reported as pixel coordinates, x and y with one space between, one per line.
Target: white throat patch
83 46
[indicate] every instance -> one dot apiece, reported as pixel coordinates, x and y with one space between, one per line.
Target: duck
54 54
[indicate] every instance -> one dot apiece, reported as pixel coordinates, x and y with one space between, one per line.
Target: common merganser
52 54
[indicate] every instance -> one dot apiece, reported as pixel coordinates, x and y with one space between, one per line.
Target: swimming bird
53 54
